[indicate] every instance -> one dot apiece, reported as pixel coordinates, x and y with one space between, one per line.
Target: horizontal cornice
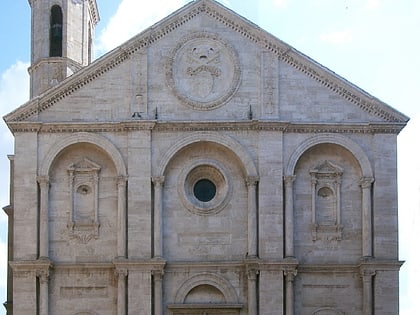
150 265
179 126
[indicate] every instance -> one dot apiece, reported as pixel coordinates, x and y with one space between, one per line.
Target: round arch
211 279
327 311
225 141
84 137
341 140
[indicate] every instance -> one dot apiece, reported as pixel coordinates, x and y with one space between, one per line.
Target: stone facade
203 167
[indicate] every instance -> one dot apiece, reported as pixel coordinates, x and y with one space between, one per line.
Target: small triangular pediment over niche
84 165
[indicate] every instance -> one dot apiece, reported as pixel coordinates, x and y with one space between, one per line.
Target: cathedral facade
202 167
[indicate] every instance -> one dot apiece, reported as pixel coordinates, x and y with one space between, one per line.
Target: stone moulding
282 126
286 53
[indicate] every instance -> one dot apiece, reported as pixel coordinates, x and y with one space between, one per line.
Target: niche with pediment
326 192
83 221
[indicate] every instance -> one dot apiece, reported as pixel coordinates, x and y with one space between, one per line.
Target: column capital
122 180
43 180
121 272
43 275
289 179
252 268
366 182
367 273
252 274
290 274
252 180
158 274
158 180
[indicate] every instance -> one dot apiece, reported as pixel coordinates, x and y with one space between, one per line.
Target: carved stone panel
83 222
203 71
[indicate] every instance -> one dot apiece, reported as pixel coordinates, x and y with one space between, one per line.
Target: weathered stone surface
299 210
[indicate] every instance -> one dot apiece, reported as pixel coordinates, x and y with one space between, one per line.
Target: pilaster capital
366 182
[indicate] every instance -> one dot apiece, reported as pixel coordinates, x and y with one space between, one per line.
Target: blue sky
374 44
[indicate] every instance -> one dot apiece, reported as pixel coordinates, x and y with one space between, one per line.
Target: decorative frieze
139 125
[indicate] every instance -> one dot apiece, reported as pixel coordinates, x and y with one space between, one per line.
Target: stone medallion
203 71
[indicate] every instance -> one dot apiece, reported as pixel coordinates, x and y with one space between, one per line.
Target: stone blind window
84 187
326 195
56 32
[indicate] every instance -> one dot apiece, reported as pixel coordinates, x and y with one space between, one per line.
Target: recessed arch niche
327 202
195 229
83 200
206 293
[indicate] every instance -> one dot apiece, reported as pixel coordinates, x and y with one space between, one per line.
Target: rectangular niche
83 222
326 186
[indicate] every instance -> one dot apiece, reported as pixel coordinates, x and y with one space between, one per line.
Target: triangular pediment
362 102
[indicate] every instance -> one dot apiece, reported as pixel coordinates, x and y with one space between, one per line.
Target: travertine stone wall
303 215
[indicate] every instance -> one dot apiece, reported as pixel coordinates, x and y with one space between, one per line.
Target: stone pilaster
252 270
252 182
158 210
366 185
122 213
121 275
43 276
289 222
158 291
367 279
290 275
44 185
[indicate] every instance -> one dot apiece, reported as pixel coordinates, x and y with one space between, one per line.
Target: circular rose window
204 190
203 187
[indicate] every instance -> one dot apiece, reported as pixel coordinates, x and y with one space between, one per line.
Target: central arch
210 279
226 141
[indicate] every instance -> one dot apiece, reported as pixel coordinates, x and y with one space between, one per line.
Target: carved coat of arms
204 71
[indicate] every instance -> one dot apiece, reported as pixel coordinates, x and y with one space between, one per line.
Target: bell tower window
56 32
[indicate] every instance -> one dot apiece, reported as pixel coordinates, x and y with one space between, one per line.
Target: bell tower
61 40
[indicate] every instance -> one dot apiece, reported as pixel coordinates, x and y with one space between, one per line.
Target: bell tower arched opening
56 31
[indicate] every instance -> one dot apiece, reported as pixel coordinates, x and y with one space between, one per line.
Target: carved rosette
203 71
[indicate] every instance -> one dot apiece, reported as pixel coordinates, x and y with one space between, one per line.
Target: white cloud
337 37
14 91
372 4
14 87
131 18
281 3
